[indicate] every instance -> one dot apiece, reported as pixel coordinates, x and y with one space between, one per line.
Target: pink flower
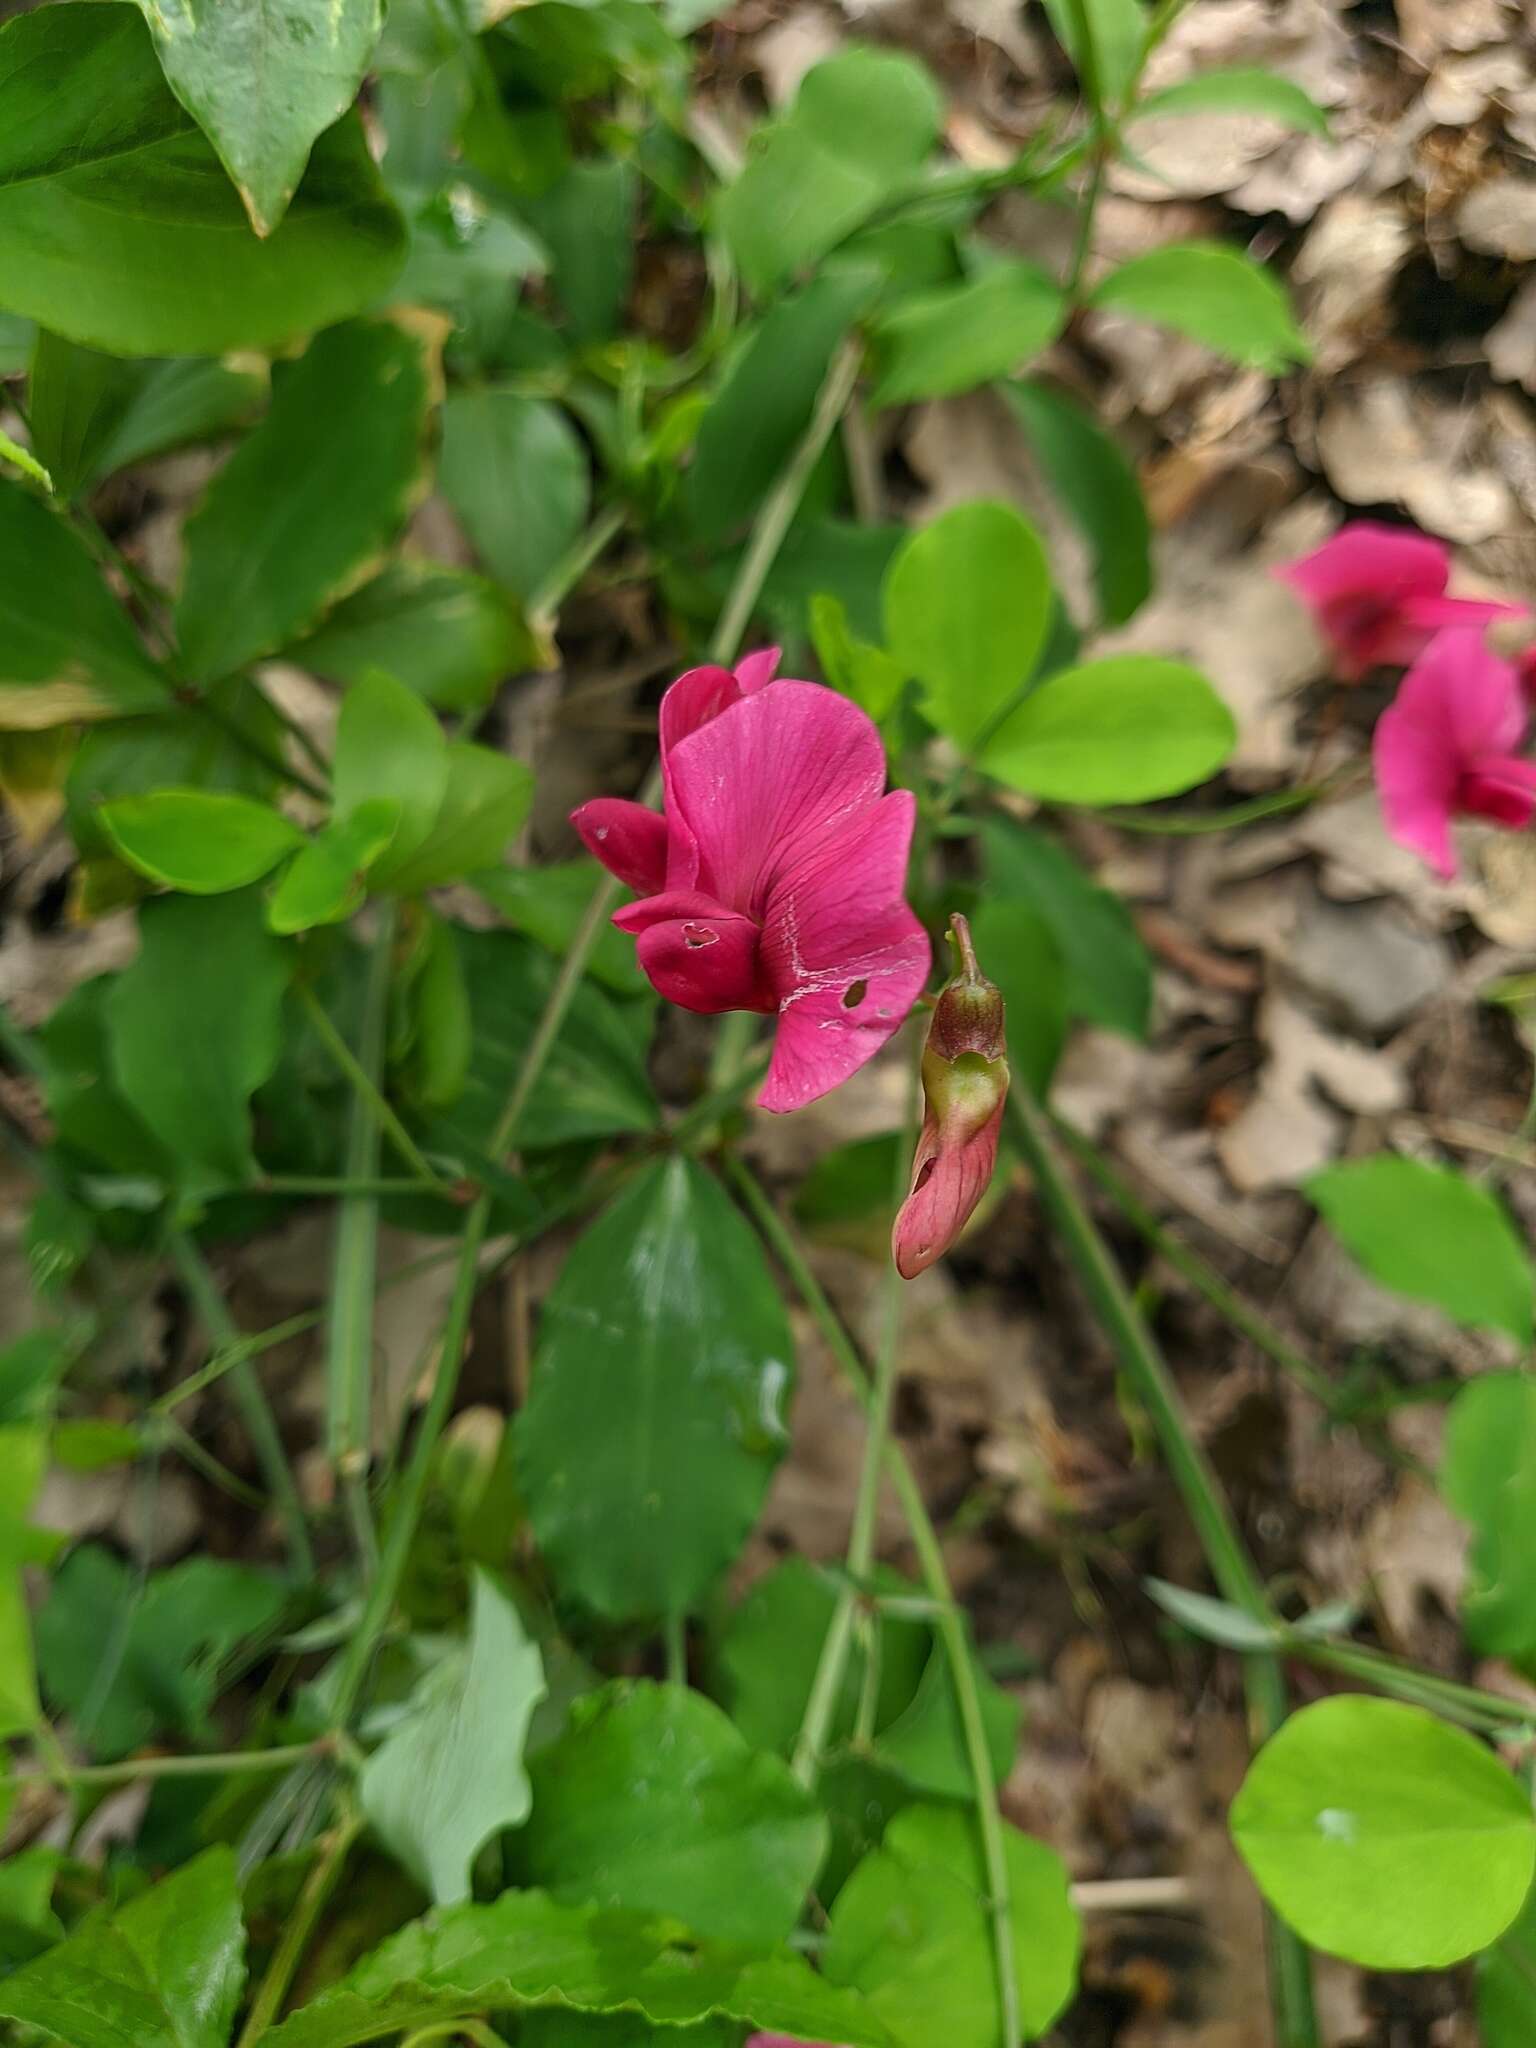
772 880
1378 595
965 1089
1447 747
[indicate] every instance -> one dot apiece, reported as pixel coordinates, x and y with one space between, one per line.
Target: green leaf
263 78
1243 89
451 1774
586 220
1489 1478
652 1802
164 1971
212 966
595 1083
925 1746
861 125
1098 490
389 745
653 1428
327 881
24 460
967 608
173 403
443 1043
76 398
1432 1234
450 636
1108 974
128 1668
307 499
198 841
1117 32
1019 950
118 227
1214 294
515 472
548 903
90 1118
867 674
1117 731
1385 1836
485 800
66 651
23 1461
963 335
911 1930
525 1950
1506 1985
764 406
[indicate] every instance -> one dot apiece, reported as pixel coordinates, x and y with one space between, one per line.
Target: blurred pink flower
1378 595
1447 747
773 878
965 1090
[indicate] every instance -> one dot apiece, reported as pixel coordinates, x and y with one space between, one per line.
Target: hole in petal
854 994
696 935
924 1175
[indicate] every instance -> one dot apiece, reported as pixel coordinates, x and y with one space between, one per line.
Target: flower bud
965 1087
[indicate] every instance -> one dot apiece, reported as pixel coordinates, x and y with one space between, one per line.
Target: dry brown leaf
1382 441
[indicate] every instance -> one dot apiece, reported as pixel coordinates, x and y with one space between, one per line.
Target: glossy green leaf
66 651
263 78
23 1461
1098 490
911 1930
1108 973
165 1643
764 406
118 227
1384 1835
1118 731
389 745
867 674
515 472
212 965
652 1801
1019 950
1214 294
198 841
307 499
595 1083
1432 1234
328 880
450 1775
76 398
967 607
164 1971
175 402
860 127
653 1428
925 1746
526 1950
1109 57
1488 1475
1240 89
449 636
1506 1985
963 335
485 800
549 902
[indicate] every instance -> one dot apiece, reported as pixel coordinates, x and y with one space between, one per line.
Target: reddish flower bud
965 1087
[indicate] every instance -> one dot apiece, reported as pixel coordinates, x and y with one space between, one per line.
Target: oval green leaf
515 472
1242 89
963 335
1489 1477
327 881
197 841
1385 1836
1216 296
1118 731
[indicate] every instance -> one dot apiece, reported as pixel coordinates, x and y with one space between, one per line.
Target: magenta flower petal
754 670
950 1174
697 696
629 840
704 963
1366 556
1432 613
760 788
1501 790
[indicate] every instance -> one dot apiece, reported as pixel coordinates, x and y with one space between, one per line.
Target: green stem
289 1953
260 1423
573 565
364 1084
224 1361
330 1184
133 1768
1204 1501
675 1644
785 1246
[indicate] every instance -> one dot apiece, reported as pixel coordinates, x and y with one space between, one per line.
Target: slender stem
260 1424
289 1953
365 1084
574 564
224 1361
675 1644
328 1184
476 2032
1204 1501
133 1768
1467 1704
785 1246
